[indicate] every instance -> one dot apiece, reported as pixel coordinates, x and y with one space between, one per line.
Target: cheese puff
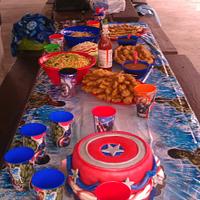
87 89
122 57
102 86
118 100
114 92
128 100
125 51
129 57
115 84
129 47
91 83
125 93
108 91
118 60
101 96
127 82
121 78
106 83
97 90
100 80
122 87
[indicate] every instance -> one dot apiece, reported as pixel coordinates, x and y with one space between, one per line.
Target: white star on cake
128 182
113 150
75 174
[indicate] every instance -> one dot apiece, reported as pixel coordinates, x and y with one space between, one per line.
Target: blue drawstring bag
31 33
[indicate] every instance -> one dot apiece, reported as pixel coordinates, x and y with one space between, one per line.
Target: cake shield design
113 156
112 149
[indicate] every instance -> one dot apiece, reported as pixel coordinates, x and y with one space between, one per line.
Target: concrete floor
11 11
180 20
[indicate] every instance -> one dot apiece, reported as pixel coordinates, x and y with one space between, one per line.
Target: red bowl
53 73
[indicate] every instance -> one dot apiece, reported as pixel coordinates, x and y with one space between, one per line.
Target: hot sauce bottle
105 50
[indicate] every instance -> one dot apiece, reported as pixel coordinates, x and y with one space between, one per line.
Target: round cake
111 156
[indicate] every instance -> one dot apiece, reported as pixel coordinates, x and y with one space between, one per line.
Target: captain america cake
112 156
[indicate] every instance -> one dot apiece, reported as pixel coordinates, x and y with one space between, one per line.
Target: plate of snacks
125 53
52 63
88 47
113 87
117 30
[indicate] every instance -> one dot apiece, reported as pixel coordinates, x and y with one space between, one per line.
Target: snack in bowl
81 34
124 29
115 87
124 53
138 69
67 60
53 62
77 34
87 47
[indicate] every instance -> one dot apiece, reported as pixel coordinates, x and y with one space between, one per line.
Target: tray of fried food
115 87
124 53
116 30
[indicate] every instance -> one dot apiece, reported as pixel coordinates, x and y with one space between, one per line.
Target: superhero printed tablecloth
172 130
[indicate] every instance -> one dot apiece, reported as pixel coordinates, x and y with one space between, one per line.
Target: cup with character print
57 38
68 81
48 184
34 136
61 127
20 167
144 98
104 118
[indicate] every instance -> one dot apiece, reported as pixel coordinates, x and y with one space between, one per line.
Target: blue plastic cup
48 184
20 166
61 126
34 136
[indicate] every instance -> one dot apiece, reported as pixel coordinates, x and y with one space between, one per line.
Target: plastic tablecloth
172 129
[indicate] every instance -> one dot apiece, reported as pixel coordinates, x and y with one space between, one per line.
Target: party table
172 129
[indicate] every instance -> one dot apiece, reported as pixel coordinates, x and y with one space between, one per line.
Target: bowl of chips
78 34
52 63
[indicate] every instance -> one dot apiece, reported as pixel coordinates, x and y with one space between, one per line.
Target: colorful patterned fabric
34 27
172 130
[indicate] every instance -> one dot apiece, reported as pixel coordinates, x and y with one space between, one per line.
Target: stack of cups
104 117
48 184
20 167
61 126
34 136
144 98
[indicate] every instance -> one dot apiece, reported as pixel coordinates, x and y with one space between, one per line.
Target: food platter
116 30
125 53
112 87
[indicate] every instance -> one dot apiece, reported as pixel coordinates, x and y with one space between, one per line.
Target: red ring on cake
91 170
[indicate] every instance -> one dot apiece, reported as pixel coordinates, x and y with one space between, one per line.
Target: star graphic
128 182
113 150
75 174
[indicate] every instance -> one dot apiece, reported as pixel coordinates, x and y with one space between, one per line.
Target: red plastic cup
144 97
57 39
113 190
104 117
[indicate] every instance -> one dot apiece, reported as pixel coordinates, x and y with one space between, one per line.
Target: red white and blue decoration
113 156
